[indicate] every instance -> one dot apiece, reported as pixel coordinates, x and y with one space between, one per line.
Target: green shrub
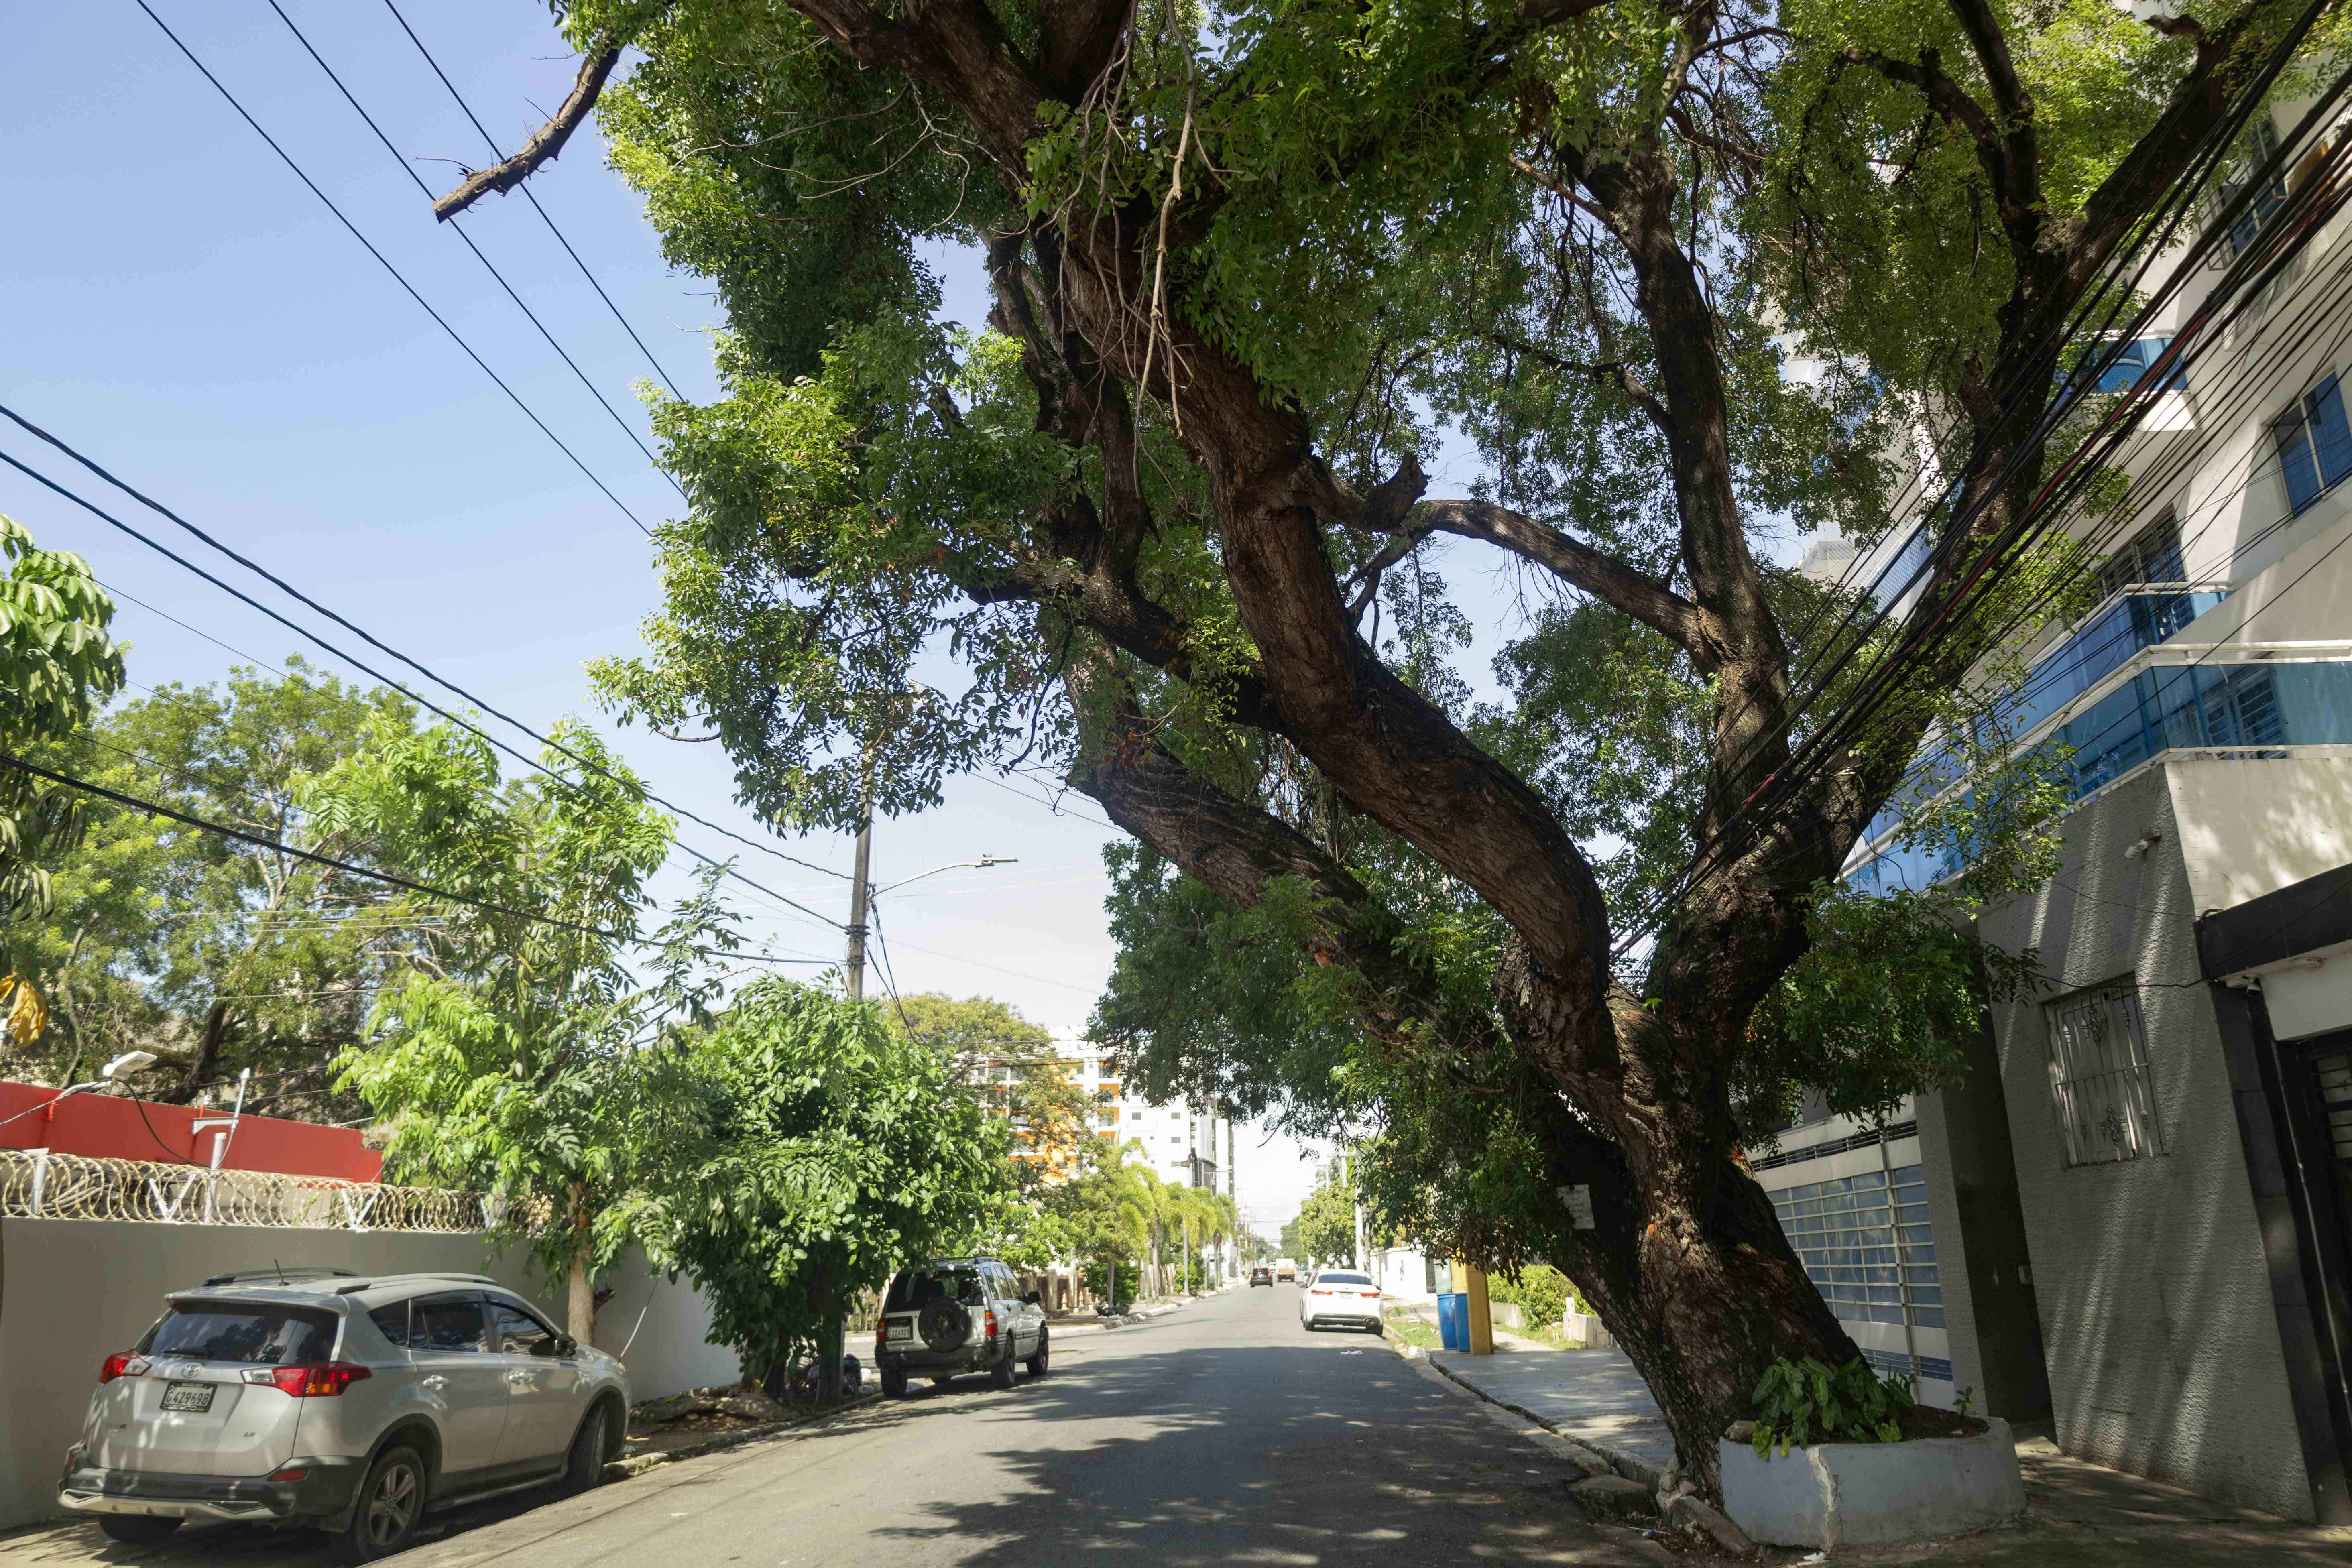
1804 1402
1540 1292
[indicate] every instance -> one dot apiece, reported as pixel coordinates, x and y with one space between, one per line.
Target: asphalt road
1222 1433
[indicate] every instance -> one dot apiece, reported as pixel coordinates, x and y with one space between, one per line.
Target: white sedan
1336 1296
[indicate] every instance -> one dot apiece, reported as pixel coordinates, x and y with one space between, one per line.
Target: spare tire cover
943 1324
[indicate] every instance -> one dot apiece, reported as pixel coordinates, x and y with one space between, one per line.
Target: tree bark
828 1341
580 1318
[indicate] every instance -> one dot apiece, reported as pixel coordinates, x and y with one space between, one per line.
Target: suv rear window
264 1335
918 1288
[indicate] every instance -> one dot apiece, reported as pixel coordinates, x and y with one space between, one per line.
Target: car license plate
902 1331
193 1398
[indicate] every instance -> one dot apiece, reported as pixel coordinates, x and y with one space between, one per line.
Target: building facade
2137 1207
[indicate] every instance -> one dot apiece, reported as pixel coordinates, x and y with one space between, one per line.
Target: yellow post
1482 1323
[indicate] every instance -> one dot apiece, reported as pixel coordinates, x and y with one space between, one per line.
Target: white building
2136 1210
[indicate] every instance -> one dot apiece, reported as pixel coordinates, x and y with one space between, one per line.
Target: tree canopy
1686 279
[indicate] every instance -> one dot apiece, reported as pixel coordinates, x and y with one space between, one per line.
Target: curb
638 1464
1623 1464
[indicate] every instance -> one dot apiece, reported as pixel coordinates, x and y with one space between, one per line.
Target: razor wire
37 1183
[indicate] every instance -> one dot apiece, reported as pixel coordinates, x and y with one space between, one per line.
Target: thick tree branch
545 142
1582 567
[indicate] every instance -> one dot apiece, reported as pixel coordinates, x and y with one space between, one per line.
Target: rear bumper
1352 1316
324 1492
920 1358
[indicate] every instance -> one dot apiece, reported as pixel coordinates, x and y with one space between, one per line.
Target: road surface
1221 1433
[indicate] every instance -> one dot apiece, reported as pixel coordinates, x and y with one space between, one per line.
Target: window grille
2099 1083
2152 556
2259 145
2314 445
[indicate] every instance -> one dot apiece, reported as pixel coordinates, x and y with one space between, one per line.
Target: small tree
521 1053
1326 1223
833 1149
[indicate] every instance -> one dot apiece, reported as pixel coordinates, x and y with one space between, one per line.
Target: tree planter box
1835 1495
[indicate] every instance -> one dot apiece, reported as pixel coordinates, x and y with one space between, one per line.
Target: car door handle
435 1382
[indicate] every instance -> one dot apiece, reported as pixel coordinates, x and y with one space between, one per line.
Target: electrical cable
668 380
410 170
2267 260
638 790
513 396
259 841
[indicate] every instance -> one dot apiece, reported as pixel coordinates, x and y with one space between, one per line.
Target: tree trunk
581 1314
828 1346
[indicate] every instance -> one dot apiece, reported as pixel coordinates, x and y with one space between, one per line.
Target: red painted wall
105 1123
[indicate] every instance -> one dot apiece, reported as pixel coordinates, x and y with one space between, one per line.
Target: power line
408 287
668 380
261 841
634 786
409 169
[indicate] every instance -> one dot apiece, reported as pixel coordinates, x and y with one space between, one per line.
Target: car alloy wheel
584 1466
390 1501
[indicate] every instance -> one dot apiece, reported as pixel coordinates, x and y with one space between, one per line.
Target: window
2154 556
519 1333
1867 1245
2136 358
2258 147
236 1331
392 1321
448 1324
1895 578
2099 1083
2314 447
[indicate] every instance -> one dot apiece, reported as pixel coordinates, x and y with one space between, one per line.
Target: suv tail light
322 1380
122 1363
991 1322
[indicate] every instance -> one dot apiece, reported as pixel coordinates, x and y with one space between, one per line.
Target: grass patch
1411 1329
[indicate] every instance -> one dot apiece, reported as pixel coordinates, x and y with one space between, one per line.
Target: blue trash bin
1454 1319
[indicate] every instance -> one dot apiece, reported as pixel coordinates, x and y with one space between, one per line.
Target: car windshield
1342 1280
918 1288
242 1332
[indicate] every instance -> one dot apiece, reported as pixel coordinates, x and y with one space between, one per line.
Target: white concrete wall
2251 827
72 1292
2157 1319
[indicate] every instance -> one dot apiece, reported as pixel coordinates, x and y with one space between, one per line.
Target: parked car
1261 1274
955 1315
1338 1296
356 1405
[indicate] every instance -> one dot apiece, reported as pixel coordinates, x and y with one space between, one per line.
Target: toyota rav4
309 1397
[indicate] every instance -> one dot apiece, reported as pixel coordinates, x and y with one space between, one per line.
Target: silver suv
307 1396
957 1314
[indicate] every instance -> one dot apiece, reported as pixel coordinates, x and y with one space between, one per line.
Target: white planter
1835 1495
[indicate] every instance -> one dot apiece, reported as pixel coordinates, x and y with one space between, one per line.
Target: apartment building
2136 1211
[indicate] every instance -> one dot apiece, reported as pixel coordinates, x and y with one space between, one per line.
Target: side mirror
1034 1299
563 1347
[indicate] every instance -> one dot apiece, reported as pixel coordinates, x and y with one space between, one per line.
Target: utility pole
854 970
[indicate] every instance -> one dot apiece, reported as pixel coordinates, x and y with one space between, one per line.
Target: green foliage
831 1150
218 956
57 663
1327 1223
523 1056
1537 1290
1803 1401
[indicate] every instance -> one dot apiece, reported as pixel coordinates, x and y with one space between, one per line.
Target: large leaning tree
1167 514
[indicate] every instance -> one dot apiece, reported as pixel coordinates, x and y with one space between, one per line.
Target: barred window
1867 1245
2099 1083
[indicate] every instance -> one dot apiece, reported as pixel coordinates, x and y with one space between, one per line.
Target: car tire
1044 1351
583 1467
137 1528
389 1503
1002 1373
894 1382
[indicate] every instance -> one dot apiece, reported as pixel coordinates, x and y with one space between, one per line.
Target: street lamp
860 895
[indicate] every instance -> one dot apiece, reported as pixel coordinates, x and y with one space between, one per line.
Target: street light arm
982 864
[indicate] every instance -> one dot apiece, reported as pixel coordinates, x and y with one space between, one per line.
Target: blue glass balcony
2132 620
2251 708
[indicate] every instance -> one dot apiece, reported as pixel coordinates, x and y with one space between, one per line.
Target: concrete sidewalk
2082 1515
